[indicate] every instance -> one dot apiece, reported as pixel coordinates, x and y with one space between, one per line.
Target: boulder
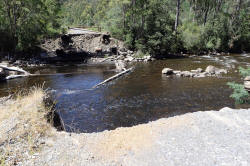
187 74
197 71
176 72
167 71
247 78
147 58
247 83
220 71
120 65
129 59
211 69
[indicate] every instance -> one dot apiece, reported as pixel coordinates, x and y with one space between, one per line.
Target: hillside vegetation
167 26
157 27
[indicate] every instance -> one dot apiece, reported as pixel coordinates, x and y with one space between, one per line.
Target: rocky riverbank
200 138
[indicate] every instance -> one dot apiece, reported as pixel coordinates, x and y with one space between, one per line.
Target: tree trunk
124 16
177 15
205 17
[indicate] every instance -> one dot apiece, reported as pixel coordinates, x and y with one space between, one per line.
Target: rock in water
167 71
211 69
247 83
120 65
199 70
214 70
187 74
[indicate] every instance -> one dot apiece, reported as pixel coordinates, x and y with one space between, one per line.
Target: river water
139 97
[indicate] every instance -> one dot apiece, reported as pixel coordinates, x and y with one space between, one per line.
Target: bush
240 94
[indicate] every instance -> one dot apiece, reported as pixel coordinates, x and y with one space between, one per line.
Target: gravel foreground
195 139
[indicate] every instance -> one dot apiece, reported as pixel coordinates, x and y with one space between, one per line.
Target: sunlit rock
167 71
247 83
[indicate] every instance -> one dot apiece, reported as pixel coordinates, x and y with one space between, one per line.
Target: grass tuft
23 125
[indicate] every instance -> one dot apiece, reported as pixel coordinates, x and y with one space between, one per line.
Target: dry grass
23 125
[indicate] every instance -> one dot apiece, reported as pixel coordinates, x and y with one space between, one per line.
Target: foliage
192 37
25 23
149 25
244 72
158 27
240 94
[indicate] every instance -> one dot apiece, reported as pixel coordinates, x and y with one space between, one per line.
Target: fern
240 95
244 72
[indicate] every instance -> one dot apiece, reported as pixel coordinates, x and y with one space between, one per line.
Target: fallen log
14 69
113 77
15 76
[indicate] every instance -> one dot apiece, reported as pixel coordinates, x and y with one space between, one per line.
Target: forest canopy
25 23
157 27
163 26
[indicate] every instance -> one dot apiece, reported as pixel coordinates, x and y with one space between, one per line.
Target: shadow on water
139 97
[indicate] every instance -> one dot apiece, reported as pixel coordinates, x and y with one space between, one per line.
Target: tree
27 21
177 14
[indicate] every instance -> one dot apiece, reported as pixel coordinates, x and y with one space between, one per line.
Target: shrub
240 94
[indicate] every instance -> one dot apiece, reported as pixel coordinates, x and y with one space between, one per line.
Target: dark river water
139 97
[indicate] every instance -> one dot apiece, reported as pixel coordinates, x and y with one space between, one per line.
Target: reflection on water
143 95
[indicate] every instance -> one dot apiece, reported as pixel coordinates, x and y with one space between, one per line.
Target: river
139 97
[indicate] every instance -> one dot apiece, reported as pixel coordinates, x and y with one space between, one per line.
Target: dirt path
201 138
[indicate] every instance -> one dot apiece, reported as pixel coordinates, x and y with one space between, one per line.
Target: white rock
129 59
167 71
211 69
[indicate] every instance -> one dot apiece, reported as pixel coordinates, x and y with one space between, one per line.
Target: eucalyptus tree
27 21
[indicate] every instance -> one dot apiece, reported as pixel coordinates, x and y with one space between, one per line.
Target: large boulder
167 71
247 83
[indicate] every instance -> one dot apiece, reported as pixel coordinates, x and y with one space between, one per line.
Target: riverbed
139 97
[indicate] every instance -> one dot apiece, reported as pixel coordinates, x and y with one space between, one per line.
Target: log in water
114 77
25 73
